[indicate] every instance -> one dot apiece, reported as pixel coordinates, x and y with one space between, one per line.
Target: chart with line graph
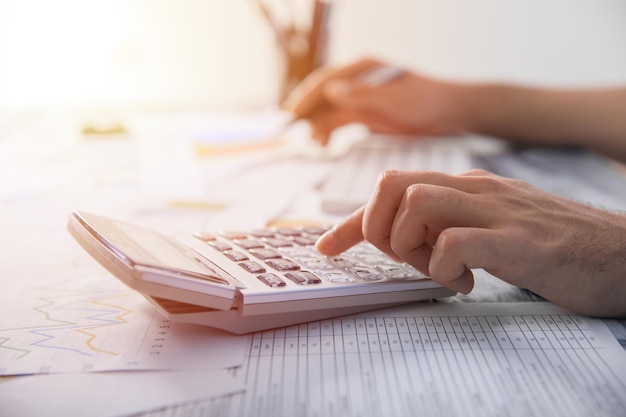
84 324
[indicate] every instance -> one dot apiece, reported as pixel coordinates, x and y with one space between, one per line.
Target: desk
48 169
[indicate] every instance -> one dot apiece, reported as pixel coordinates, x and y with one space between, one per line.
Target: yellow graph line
93 336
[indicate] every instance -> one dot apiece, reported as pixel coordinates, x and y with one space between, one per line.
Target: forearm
595 119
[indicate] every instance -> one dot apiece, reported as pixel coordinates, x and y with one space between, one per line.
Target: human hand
569 253
409 105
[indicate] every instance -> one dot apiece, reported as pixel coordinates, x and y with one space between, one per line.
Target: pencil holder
302 50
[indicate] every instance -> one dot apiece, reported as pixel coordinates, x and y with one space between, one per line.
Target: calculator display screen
137 245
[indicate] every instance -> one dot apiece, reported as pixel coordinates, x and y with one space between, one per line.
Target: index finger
343 236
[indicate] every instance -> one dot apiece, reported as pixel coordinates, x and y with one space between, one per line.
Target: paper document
106 394
491 359
93 323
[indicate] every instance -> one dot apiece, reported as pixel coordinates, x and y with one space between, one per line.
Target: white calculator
246 281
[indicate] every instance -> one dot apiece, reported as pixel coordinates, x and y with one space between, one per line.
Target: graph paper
90 322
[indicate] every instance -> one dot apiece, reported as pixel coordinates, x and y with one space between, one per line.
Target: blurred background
223 54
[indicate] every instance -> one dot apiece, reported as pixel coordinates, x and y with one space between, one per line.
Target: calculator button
303 277
283 265
272 280
315 230
313 263
374 259
305 240
289 232
220 246
204 236
236 256
363 247
343 261
366 274
276 242
336 276
248 244
295 252
252 267
264 253
231 234
396 272
263 233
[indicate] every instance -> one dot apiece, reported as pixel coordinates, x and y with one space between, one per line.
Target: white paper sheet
60 311
72 326
110 394
491 359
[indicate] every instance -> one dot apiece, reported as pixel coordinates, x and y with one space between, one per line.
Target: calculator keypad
278 256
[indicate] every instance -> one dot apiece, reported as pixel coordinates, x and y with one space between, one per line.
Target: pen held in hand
371 78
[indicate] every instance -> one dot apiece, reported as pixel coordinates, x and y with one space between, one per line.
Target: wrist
474 106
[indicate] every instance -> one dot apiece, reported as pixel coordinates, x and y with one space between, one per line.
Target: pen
381 75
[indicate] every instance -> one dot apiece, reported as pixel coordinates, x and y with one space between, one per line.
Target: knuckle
477 172
493 184
417 193
496 183
520 184
389 175
449 241
427 197
387 179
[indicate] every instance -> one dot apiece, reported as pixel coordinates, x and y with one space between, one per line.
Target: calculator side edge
131 274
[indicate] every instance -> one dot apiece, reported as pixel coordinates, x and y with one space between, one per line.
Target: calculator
244 281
